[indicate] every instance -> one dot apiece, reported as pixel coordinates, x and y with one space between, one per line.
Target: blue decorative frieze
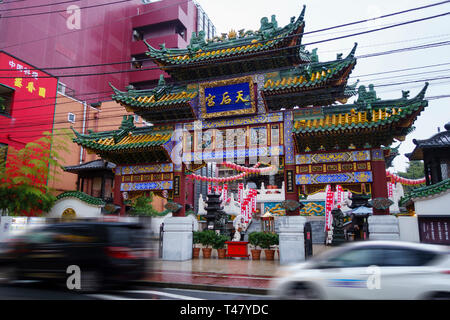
150 168
145 186
328 157
345 177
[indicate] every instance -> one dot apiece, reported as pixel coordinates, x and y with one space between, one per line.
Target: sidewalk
231 274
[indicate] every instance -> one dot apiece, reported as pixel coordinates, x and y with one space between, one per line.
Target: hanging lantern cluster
404 181
244 172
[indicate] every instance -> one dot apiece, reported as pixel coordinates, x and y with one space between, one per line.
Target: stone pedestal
292 241
177 240
383 227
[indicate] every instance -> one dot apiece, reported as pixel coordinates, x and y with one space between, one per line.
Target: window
395 257
61 88
358 258
6 98
137 36
71 117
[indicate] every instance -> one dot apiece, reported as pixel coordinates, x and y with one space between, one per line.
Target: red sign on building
27 101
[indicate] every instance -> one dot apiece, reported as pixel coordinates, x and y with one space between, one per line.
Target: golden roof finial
232 34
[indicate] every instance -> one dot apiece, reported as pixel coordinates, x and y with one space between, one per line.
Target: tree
25 173
415 170
142 206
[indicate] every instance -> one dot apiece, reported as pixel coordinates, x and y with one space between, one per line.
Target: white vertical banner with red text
329 204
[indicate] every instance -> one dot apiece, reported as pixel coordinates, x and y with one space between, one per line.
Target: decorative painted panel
233 154
377 155
288 140
334 167
143 186
275 208
310 158
151 168
313 208
241 121
347 177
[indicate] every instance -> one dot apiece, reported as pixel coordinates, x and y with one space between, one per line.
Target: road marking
169 295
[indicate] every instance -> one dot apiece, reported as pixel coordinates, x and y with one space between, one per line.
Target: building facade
27 102
101 40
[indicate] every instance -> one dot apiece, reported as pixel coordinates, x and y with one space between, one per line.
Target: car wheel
91 281
303 291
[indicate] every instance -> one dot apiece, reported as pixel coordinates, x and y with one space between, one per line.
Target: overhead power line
420 47
304 33
37 6
64 10
36 119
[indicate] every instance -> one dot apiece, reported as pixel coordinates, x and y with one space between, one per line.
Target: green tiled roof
425 192
268 37
363 116
368 121
129 144
149 99
310 75
160 103
83 197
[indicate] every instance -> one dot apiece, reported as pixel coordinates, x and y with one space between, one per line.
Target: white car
369 270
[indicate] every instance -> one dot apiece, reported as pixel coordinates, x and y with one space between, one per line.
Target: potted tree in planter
196 240
207 238
254 239
219 245
269 239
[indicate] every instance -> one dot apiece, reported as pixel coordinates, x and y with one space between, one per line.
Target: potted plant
269 239
254 238
207 239
219 245
196 240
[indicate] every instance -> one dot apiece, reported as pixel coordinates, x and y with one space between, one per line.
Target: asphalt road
27 290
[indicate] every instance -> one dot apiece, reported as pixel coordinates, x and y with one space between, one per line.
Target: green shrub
219 241
268 239
254 238
196 237
207 237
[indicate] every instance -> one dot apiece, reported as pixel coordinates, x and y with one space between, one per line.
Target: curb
203 287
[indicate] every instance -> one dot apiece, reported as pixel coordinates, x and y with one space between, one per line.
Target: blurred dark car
105 253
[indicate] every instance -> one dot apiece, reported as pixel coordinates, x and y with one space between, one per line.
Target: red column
179 190
379 184
290 188
118 198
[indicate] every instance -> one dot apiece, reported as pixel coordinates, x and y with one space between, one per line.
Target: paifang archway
254 94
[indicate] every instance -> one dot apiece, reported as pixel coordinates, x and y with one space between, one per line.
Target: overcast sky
246 14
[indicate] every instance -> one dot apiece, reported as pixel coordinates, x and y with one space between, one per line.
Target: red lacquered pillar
379 184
